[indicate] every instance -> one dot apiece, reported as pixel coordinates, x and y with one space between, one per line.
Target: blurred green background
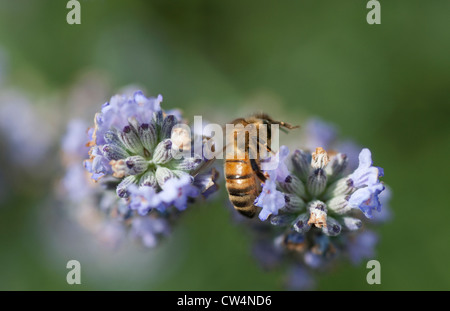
386 86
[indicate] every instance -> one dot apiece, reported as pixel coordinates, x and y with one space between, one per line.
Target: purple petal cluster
270 199
116 112
366 179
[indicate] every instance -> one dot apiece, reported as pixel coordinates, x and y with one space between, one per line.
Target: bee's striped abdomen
242 186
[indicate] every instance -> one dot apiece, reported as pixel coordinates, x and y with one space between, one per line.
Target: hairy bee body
243 175
242 185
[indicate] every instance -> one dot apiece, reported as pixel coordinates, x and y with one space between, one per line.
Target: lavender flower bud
341 186
163 174
163 152
158 119
336 167
293 185
302 164
179 173
112 138
339 204
122 188
293 203
167 125
114 152
317 182
131 140
134 123
136 165
187 164
332 228
130 166
148 135
282 219
148 179
301 223
351 223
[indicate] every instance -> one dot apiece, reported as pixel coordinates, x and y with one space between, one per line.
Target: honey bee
243 175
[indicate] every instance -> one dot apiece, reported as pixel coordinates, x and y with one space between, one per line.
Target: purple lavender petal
366 199
351 150
143 199
313 260
76 183
299 279
362 247
177 191
149 230
386 213
76 138
365 174
319 133
119 109
270 199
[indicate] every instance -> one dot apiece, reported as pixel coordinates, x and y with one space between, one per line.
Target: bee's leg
202 167
269 149
263 145
287 125
257 170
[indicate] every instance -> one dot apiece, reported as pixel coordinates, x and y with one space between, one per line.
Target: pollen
319 158
319 220
118 167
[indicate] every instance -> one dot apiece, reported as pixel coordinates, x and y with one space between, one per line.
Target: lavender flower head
316 185
133 141
316 210
136 173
